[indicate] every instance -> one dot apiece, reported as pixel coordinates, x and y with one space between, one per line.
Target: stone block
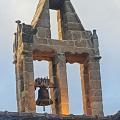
43 23
43 33
45 15
99 112
89 43
27 46
96 105
95 99
74 26
95 92
76 35
94 75
81 43
67 35
86 35
70 17
68 7
48 34
64 108
93 66
40 41
56 42
95 84
28 59
69 43
28 66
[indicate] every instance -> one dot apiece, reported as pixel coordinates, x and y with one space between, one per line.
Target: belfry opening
53 24
74 89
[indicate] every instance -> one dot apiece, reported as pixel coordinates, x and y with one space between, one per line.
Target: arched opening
41 71
74 88
53 24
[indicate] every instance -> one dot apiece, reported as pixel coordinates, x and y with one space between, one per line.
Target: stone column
19 82
28 76
59 25
18 86
52 77
63 102
85 89
95 90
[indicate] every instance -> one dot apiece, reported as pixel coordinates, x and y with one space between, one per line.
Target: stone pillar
59 25
28 95
19 80
85 89
19 85
63 102
91 87
54 95
95 90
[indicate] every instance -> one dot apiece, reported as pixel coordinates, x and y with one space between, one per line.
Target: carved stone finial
95 42
18 21
95 36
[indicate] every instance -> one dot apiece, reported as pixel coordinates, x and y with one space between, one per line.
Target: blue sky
103 15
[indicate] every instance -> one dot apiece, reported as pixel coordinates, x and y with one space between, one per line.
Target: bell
43 97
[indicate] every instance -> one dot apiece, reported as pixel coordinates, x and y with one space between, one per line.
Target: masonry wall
29 116
76 45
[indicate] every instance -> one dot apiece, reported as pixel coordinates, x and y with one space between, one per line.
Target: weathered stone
40 41
33 42
76 35
95 92
62 84
67 35
89 43
68 7
29 116
81 43
28 66
43 33
74 26
70 43
44 23
70 17
86 35
42 10
94 75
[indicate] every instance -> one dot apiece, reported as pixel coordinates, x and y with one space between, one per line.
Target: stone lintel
60 46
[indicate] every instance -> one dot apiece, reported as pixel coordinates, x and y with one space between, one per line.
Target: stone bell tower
75 45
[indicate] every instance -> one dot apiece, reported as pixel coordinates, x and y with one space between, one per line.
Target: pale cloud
117 3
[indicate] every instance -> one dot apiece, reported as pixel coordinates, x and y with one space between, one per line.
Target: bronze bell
43 97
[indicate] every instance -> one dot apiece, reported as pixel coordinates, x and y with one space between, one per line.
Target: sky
102 15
